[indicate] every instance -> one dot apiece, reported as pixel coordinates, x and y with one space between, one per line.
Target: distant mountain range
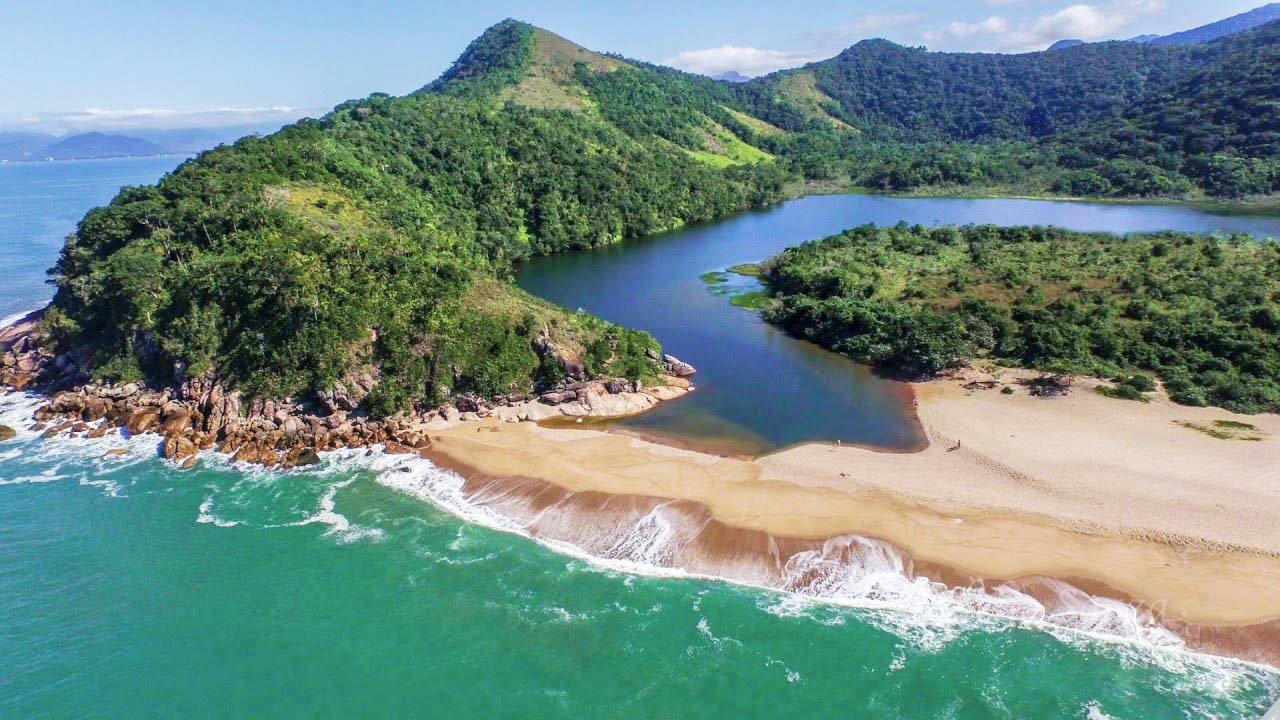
1203 34
1222 28
29 147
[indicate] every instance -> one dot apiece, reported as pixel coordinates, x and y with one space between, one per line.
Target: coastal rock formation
202 414
7 433
675 366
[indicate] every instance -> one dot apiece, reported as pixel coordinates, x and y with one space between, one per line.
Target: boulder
677 367
7 433
176 419
258 453
557 397
178 448
300 457
142 420
537 412
119 393
395 448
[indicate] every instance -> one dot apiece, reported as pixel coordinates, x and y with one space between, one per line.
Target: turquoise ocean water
370 587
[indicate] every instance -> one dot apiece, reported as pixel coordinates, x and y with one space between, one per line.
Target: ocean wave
850 572
13 319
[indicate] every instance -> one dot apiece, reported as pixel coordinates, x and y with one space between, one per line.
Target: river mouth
758 390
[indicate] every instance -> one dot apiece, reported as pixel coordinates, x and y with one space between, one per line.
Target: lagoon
758 389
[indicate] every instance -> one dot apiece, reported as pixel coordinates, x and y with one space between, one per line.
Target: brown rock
98 432
395 448
142 420
178 448
116 452
300 457
189 463
257 453
176 419
7 433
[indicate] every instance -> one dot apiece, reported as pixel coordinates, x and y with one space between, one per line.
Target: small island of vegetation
1201 313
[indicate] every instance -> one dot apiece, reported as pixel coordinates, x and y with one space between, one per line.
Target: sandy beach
1122 497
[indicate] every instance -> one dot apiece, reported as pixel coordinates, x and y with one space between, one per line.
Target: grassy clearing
747 269
756 124
800 90
721 149
753 300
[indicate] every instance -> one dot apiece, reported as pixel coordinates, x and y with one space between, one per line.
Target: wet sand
1117 497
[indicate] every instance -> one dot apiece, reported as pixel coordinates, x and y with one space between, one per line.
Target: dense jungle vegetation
370 247
1202 313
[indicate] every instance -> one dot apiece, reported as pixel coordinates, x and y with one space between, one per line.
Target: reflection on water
759 390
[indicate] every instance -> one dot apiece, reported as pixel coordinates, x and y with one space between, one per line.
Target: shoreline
708 548
977 519
1266 207
1202 573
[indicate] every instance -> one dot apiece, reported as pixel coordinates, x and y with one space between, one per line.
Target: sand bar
1108 492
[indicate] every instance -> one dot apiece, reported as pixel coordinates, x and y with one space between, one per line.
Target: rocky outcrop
677 367
201 414
7 433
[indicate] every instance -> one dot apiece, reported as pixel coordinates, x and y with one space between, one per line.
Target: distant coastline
53 161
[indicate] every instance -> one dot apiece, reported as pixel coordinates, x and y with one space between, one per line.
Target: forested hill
368 249
1218 125
910 94
1117 119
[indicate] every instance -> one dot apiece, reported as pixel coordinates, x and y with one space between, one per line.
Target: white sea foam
206 515
63 458
12 319
1095 712
338 523
860 573
849 571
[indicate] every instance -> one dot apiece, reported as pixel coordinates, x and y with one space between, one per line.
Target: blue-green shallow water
129 589
758 389
119 601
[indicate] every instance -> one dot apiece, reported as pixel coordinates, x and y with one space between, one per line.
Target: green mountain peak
518 62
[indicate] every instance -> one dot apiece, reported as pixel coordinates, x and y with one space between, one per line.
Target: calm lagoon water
129 589
758 389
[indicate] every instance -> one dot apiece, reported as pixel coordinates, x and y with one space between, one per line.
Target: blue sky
71 66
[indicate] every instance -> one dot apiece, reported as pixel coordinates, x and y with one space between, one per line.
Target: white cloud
756 61
116 119
1081 21
737 58
873 23
993 25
